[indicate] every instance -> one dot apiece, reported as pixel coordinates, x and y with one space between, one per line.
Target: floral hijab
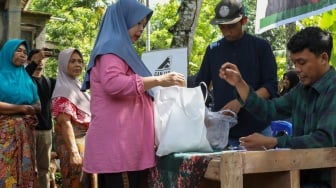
16 86
69 87
113 36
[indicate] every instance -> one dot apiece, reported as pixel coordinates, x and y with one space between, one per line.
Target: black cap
228 12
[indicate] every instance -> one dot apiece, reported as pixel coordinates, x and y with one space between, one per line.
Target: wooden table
271 168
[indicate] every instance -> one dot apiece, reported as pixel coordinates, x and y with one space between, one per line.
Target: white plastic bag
218 125
179 120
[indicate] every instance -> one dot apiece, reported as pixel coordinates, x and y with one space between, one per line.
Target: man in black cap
255 60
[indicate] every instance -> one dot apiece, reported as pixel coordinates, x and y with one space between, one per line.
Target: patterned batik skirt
71 177
17 168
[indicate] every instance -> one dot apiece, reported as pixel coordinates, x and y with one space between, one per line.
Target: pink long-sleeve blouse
121 134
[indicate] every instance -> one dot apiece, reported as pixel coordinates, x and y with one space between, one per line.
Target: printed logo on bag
165 67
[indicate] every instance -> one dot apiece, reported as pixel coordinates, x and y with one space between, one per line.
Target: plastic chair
281 127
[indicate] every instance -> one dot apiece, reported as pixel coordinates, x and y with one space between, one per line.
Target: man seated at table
311 104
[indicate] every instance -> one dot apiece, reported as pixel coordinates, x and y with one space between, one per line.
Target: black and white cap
228 12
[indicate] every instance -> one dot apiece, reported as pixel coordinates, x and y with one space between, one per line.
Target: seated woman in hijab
19 103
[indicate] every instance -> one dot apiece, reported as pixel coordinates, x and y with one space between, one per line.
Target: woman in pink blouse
71 112
120 140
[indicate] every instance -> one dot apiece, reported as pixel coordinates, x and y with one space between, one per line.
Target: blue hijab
113 37
16 86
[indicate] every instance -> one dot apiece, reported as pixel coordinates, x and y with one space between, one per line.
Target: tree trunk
183 30
290 31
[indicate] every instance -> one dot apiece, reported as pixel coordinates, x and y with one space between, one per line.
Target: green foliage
204 35
164 16
74 24
328 22
77 24
325 21
280 58
276 37
58 178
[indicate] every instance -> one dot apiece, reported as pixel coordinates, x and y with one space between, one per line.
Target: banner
274 13
161 62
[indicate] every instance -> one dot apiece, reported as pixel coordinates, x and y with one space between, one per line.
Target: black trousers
134 179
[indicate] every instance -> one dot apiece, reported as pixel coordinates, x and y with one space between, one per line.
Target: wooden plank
286 164
212 171
294 178
285 160
231 170
333 177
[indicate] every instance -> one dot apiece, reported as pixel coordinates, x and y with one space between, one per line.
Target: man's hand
258 141
38 57
230 73
233 105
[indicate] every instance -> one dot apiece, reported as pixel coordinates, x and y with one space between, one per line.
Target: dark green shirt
312 109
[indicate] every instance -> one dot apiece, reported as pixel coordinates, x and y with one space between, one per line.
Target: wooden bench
271 168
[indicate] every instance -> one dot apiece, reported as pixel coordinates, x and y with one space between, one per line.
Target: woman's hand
28 109
76 160
165 80
31 109
37 107
171 79
64 121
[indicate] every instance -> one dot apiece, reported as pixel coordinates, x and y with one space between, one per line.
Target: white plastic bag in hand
179 120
